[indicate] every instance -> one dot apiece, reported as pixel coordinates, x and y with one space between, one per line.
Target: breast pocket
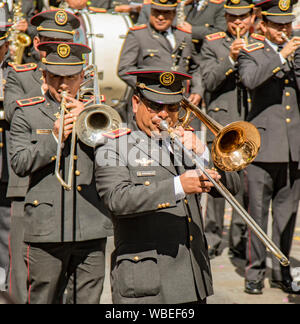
150 56
40 213
137 275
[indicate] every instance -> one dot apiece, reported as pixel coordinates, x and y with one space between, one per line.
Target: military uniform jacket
144 47
208 20
275 102
161 251
297 66
52 214
226 97
21 80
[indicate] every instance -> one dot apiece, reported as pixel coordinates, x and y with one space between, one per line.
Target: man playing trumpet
65 231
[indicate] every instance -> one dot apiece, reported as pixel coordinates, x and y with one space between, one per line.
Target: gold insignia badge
284 5
61 17
236 2
63 50
167 78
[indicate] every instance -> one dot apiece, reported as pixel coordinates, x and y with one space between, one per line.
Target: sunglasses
157 107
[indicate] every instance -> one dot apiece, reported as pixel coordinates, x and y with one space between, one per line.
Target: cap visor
281 19
160 98
56 35
63 70
166 8
237 12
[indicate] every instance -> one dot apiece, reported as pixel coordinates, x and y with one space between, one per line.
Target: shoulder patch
23 67
216 1
138 27
183 30
254 47
258 37
99 10
117 133
31 101
215 36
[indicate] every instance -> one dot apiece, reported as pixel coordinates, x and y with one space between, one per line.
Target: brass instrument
180 13
18 40
89 125
234 148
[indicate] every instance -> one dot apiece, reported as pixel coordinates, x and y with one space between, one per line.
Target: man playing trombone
267 70
161 252
65 231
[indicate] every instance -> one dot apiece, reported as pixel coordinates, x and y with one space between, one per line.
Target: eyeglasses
157 107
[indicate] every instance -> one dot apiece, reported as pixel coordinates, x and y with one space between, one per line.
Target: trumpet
89 126
234 148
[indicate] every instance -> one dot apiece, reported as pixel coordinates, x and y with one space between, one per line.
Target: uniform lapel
179 37
160 38
49 107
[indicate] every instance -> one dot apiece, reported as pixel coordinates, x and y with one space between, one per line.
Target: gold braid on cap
165 5
143 86
56 30
265 13
243 7
44 60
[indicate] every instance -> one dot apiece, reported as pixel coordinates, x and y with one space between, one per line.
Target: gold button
159 206
147 183
77 172
286 81
217 109
190 220
151 55
75 157
287 94
53 158
249 100
1 145
163 205
136 258
191 238
288 120
168 204
186 201
206 25
1 130
173 56
79 188
288 107
35 203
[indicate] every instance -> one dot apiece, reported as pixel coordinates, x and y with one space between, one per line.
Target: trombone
234 148
89 125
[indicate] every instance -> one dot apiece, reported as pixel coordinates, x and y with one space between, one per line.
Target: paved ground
228 277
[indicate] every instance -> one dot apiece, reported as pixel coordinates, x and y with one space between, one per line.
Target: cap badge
236 2
167 79
63 50
61 17
284 5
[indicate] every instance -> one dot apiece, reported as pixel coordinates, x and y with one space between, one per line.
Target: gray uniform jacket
52 214
146 47
225 96
275 103
160 249
297 66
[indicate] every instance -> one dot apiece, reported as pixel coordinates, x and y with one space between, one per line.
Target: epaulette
254 47
258 37
117 133
147 2
138 27
216 1
182 29
30 102
215 36
23 67
99 10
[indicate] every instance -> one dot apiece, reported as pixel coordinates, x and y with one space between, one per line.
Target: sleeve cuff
179 192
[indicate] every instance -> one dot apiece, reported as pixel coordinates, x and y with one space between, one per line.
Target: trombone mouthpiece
164 125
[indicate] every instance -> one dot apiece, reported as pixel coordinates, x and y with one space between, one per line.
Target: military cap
56 24
238 7
278 11
160 86
164 4
4 24
63 59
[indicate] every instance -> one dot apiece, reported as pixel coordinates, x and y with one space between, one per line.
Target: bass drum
105 34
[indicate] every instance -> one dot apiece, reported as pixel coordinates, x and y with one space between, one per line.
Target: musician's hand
187 27
22 25
290 47
194 182
195 98
236 47
190 140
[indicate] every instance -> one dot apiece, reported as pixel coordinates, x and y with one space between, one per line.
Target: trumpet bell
94 121
236 146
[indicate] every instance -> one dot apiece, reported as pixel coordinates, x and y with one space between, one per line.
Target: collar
273 45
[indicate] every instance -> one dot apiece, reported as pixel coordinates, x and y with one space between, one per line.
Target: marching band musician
26 81
65 231
4 169
160 44
267 70
227 101
160 249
